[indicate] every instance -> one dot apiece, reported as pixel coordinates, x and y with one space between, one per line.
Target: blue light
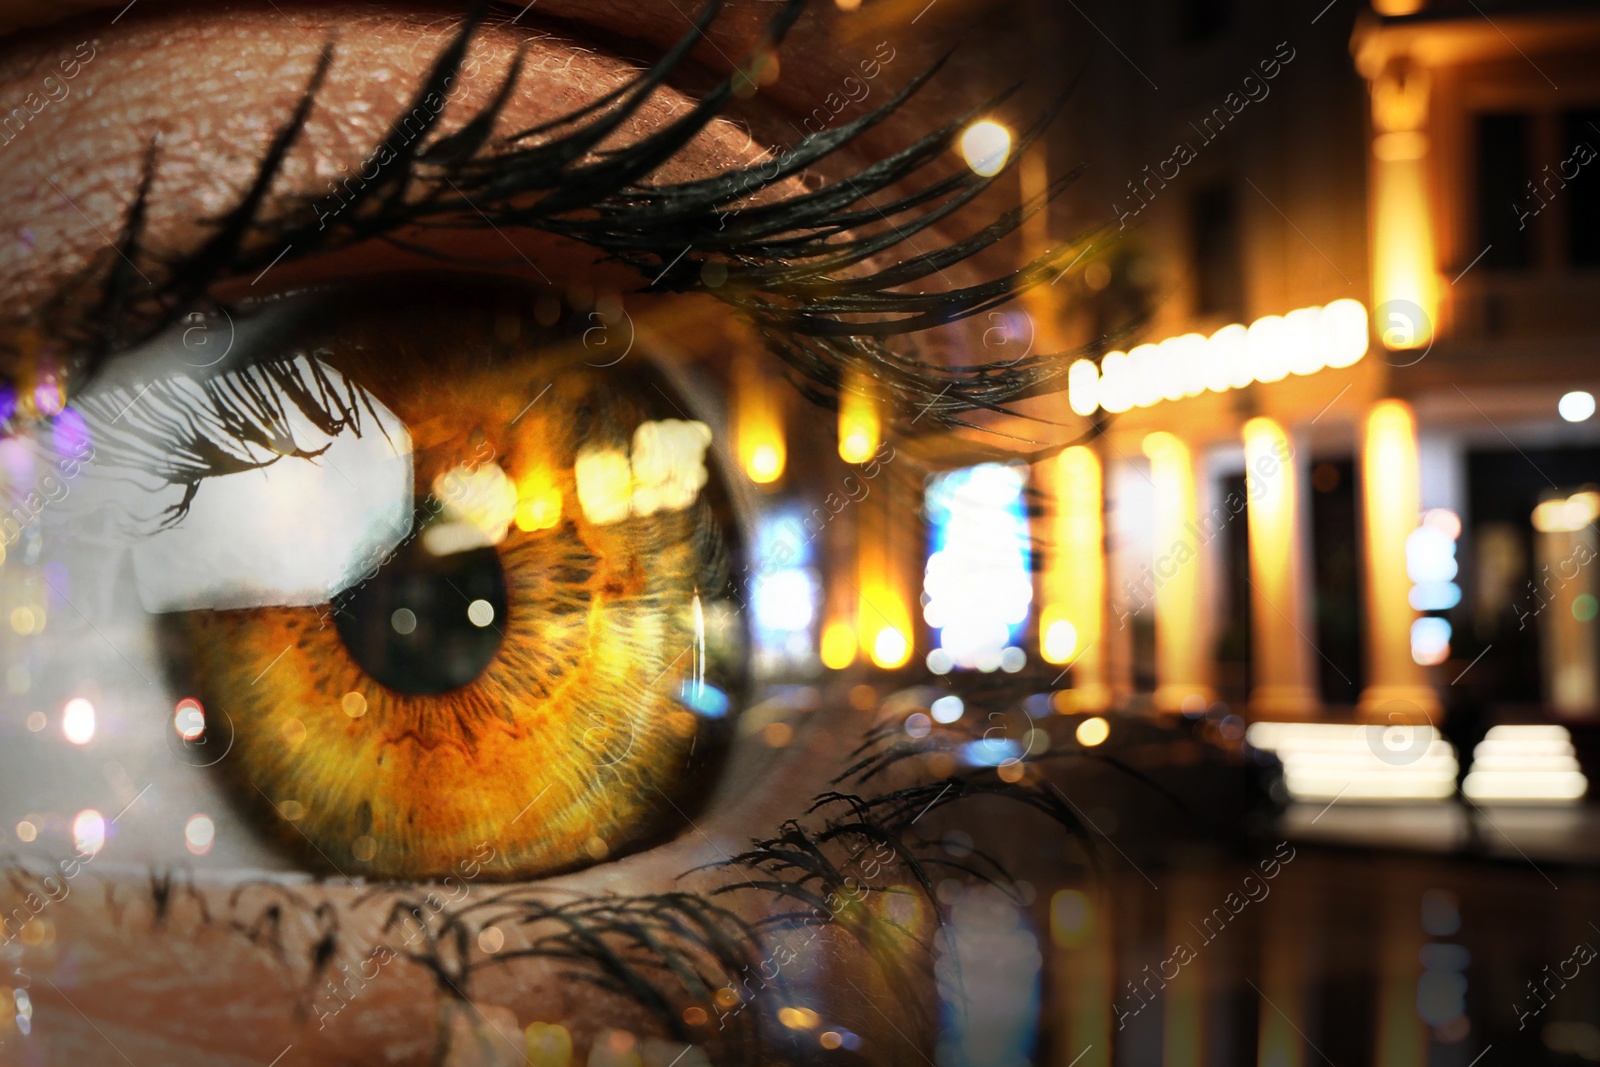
1430 640
707 700
782 541
991 752
785 591
979 581
1435 596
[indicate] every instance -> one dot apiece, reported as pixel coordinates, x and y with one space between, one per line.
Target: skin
182 983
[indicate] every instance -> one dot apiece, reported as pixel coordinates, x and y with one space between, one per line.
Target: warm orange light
890 648
1281 667
1058 638
766 464
1083 387
1302 342
758 423
838 646
859 428
1179 613
886 554
1092 731
1391 504
538 502
1405 287
1072 588
986 146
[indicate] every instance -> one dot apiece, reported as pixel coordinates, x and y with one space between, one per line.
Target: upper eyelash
787 261
244 423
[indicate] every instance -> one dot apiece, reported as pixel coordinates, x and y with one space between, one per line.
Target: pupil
426 624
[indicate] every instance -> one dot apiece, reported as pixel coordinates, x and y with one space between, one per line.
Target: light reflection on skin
173 973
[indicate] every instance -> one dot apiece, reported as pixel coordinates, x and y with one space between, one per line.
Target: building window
1218 265
1502 177
1582 142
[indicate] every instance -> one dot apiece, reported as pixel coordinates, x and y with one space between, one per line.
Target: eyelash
787 266
666 950
787 263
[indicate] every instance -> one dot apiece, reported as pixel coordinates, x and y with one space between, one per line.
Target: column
1405 285
1566 630
1182 657
1072 590
839 642
1282 662
1391 505
887 583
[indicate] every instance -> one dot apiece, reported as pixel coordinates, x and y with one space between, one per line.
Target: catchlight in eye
545 667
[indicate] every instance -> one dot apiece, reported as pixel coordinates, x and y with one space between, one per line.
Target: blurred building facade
1300 529
1344 470
1343 475
1398 524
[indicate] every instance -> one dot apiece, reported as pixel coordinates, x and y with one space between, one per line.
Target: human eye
424 586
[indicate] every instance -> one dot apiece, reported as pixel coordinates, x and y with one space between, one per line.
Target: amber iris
545 664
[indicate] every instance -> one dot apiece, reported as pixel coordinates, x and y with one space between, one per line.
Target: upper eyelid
819 346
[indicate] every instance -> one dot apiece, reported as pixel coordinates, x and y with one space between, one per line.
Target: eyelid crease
777 274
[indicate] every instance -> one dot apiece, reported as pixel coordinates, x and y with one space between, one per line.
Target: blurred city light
986 146
1303 342
758 422
89 832
1073 579
978 580
1567 514
785 589
859 429
1322 761
77 721
1525 763
1405 280
1576 406
838 646
1092 731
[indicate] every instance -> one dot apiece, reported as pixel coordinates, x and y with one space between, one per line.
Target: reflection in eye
556 685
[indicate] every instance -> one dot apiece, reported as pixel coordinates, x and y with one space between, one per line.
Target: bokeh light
1576 406
986 146
1092 731
77 721
199 833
